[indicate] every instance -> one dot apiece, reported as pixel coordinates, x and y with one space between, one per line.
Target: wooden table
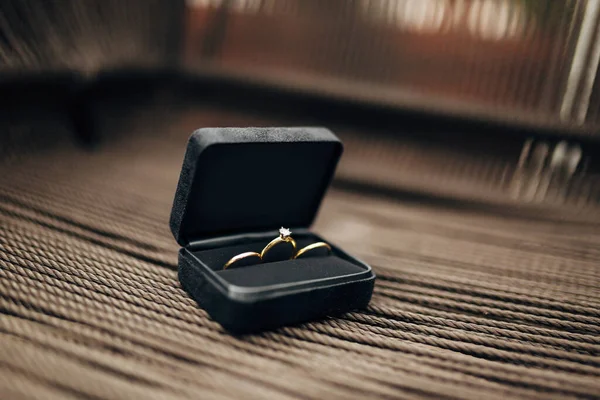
469 302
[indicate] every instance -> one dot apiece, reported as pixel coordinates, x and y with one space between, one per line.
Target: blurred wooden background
505 90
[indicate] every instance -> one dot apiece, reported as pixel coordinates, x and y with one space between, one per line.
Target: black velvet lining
279 272
292 271
253 186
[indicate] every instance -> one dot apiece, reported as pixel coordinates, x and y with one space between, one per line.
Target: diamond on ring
284 232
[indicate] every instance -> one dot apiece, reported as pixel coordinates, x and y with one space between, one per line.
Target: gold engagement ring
284 237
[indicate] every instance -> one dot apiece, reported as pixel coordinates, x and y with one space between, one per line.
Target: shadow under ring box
237 187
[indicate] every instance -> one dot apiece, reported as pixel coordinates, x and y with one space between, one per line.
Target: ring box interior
237 187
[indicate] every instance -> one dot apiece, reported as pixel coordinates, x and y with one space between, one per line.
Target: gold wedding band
284 237
313 246
243 256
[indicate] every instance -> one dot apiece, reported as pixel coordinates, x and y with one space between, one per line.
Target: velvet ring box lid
237 187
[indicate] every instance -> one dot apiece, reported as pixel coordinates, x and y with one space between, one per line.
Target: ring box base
265 296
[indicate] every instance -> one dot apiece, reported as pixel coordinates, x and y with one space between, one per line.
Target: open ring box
237 187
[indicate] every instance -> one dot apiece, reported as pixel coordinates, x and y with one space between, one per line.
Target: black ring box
237 187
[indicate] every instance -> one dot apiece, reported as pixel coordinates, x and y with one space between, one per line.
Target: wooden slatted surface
468 303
